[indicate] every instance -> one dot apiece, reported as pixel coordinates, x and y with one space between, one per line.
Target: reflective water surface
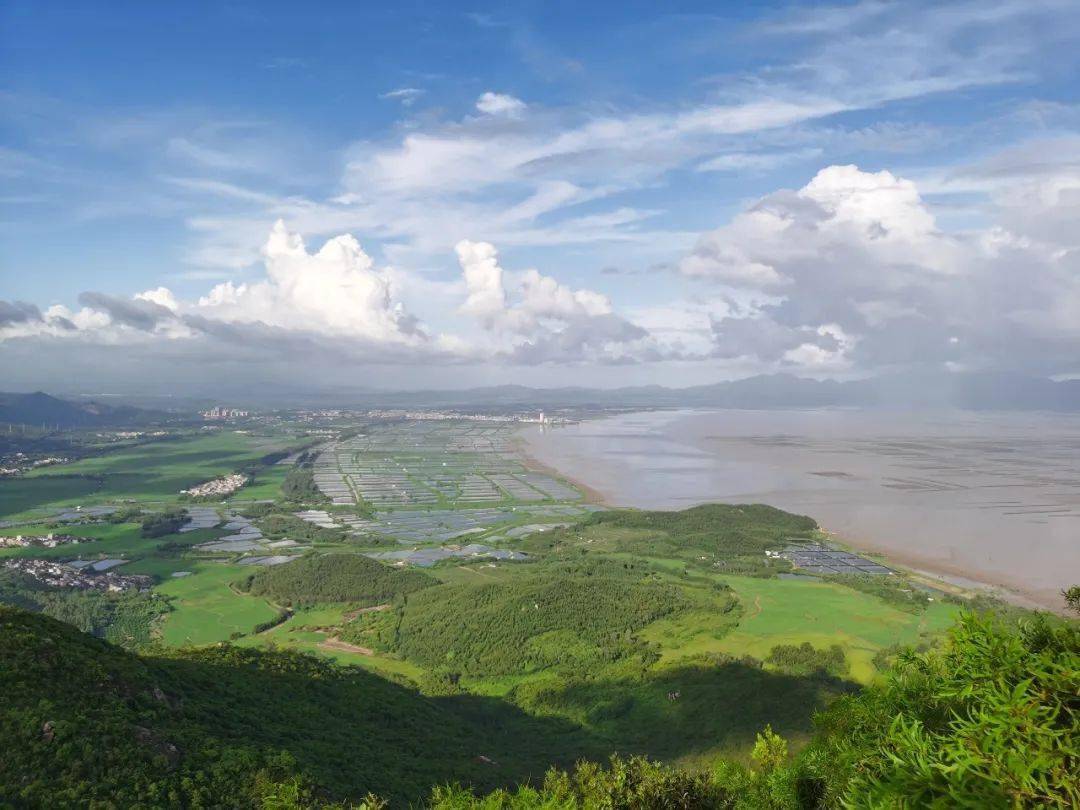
993 498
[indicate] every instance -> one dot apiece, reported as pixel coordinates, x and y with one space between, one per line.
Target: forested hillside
501 629
990 719
334 578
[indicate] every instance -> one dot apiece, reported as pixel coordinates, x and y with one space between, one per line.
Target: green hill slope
83 721
334 578
990 719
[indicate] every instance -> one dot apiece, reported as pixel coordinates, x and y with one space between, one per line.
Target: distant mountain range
39 409
967 391
986 391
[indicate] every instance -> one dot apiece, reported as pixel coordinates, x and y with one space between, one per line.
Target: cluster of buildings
49 540
431 415
20 463
435 416
132 434
60 575
218 488
218 412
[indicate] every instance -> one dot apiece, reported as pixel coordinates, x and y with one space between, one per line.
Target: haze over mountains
968 391
38 408
1006 392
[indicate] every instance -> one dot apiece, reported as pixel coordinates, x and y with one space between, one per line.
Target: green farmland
153 472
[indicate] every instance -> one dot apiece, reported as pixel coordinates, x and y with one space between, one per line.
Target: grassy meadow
206 609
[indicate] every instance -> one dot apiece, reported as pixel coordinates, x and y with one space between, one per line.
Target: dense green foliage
334 578
277 526
126 618
83 723
992 719
626 783
804 659
529 624
1072 598
128 514
719 537
158 524
737 529
299 486
989 719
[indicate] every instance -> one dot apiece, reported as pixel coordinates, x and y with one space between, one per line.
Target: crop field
22 496
426 463
151 472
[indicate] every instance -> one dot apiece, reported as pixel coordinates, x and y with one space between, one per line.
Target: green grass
19 496
206 609
308 628
265 487
149 472
778 611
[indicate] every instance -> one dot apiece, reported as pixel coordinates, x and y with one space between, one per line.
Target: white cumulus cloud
853 271
499 104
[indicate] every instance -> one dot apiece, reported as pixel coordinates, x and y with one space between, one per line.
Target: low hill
334 578
39 409
534 623
731 529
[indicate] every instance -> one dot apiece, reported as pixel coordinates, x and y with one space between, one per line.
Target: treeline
158 524
805 659
334 578
277 526
299 486
895 591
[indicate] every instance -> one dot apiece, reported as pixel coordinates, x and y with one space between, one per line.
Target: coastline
591 494
932 571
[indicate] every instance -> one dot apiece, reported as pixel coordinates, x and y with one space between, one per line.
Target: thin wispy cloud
406 95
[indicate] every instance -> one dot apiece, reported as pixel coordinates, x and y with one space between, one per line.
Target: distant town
49 540
80 575
219 487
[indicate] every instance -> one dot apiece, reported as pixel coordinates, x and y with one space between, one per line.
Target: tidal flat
989 499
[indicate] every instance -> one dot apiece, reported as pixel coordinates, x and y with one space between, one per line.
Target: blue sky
537 192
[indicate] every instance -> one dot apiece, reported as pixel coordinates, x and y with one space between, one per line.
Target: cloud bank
852 272
849 274
335 307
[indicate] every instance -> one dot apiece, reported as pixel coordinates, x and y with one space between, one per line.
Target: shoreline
591 494
951 579
957 579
